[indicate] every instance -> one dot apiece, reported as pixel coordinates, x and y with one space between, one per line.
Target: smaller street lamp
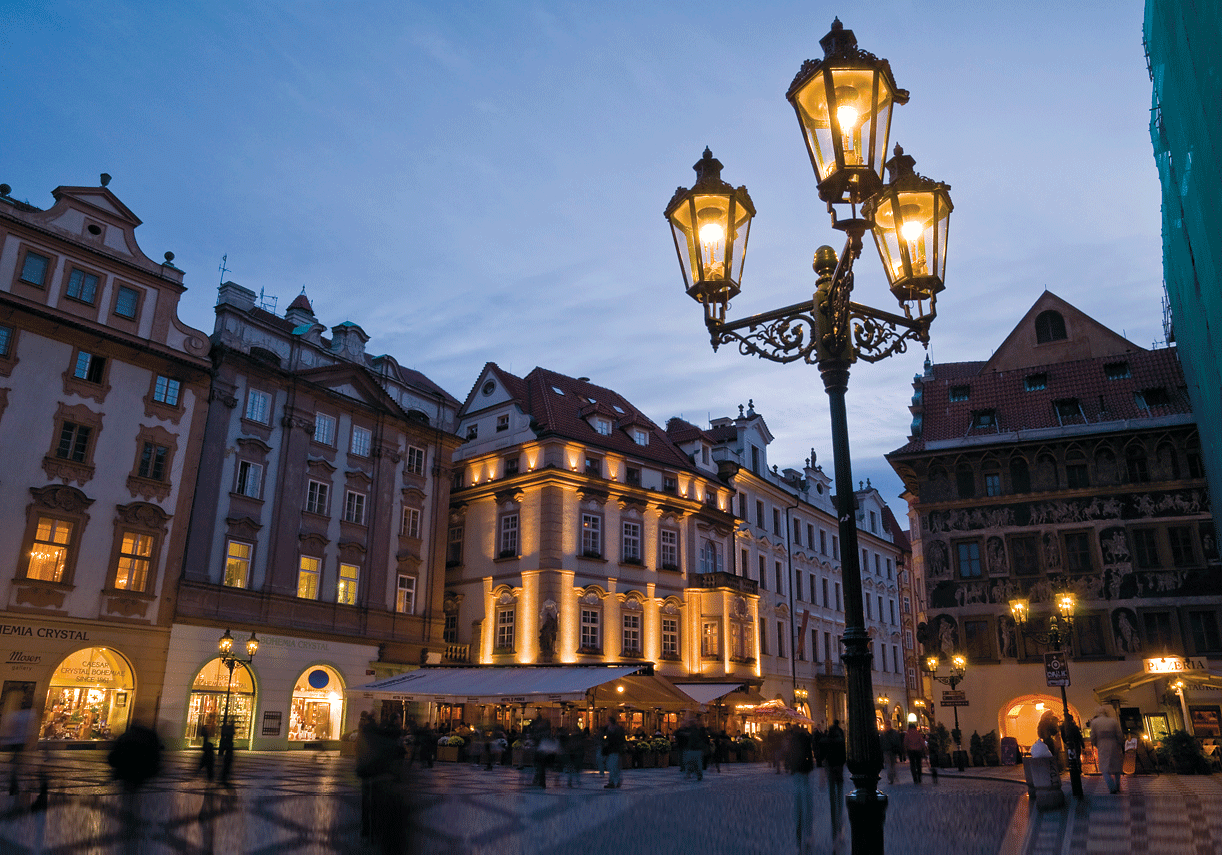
229 660
1055 637
958 665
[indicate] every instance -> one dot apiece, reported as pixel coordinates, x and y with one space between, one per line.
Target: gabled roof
362 380
682 431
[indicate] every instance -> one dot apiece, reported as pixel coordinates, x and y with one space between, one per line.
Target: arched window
1135 464
965 481
215 692
90 697
318 705
1020 477
1049 326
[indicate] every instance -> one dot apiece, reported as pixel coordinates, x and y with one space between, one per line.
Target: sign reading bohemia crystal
1056 669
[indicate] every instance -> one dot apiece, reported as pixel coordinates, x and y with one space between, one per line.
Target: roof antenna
223 268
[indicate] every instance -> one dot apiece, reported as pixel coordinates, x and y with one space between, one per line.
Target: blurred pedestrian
16 730
891 744
1108 739
136 756
914 747
1047 731
574 746
613 744
801 762
834 757
225 748
207 754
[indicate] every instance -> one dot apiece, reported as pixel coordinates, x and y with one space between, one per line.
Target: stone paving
304 802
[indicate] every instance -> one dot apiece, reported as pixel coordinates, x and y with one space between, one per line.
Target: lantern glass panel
910 229
854 129
703 220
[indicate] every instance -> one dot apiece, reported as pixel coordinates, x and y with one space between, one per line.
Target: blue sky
485 181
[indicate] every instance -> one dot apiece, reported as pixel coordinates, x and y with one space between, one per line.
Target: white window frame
167 390
668 551
505 636
405 594
258 406
670 635
415 460
318 497
324 429
354 507
361 441
507 535
591 628
641 437
602 426
632 633
631 542
249 481
591 535
235 562
710 639
410 522
309 574
347 584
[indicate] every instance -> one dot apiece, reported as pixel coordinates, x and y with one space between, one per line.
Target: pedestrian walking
914 746
613 744
833 758
801 762
226 750
207 754
891 744
1108 739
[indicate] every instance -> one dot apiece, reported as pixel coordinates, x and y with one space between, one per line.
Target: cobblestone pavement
303 802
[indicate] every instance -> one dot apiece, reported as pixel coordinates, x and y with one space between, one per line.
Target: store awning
775 712
1193 677
706 693
528 685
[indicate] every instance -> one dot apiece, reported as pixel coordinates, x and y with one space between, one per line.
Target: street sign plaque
954 698
1056 669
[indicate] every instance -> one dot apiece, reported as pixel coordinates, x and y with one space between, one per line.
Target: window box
506 554
673 568
670 657
589 553
590 651
634 561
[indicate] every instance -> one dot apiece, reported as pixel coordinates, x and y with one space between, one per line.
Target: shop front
89 697
215 694
317 711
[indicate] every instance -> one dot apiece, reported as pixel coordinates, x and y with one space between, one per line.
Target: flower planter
675 758
662 758
447 753
523 757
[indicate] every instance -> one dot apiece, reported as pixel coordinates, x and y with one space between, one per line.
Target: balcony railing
457 653
725 580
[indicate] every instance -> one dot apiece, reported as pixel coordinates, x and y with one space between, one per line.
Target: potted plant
990 743
1179 751
939 746
660 748
522 755
976 747
449 748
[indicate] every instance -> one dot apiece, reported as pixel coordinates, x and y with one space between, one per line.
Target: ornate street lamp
229 660
958 665
843 103
1065 604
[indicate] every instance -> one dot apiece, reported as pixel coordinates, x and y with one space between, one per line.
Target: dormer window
1117 371
960 393
984 419
502 423
640 437
472 431
1035 382
1049 326
1068 410
603 426
1155 397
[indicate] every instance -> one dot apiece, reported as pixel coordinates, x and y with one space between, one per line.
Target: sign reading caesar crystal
1056 669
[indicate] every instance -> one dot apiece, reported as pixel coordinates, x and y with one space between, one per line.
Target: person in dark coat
834 756
136 756
800 761
207 755
226 750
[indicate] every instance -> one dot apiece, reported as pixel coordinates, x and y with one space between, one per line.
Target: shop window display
206 708
318 706
90 697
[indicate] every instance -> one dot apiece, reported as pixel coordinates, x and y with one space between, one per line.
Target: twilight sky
485 181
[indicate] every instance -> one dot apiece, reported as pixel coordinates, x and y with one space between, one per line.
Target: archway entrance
317 711
90 697
206 709
1021 716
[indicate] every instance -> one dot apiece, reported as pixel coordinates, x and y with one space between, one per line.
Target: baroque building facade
1068 461
103 395
581 533
317 525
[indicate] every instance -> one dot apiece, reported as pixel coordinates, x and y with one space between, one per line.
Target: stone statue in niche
1052 551
1124 624
996 550
547 636
936 561
1007 640
948 636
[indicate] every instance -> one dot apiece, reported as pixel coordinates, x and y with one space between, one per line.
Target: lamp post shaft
1071 754
867 806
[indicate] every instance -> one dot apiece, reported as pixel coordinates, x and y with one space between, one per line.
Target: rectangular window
969 559
814 645
1077 552
361 440
669 541
797 585
1090 631
308 572
73 442
1204 628
324 429
594 466
258 406
670 484
1145 548
49 554
641 437
89 367
889 571
410 524
797 533
878 569
454 545
632 543
776 569
827 647
591 536
891 608
907 606
1025 555
345 587
759 513
822 542
992 484
405 595
776 521
126 302
1160 637
473 431
827 604
1180 538
960 393
591 639
874 522
82 286
237 564
633 476
449 633
508 544
152 461
1076 476
869 614
511 466
250 478
415 460
710 639
318 497
6 342
763 565
502 423
354 507
839 604
166 391
632 634
835 547
865 561
780 638
670 637
1035 382
504 630
763 636
602 427
978 641
34 270
811 589
135 558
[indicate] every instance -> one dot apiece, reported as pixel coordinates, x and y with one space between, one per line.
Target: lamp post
229 660
1065 603
958 665
843 104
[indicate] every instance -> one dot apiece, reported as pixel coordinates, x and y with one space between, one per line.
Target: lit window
49 552
710 639
135 557
345 589
361 440
82 286
307 577
258 406
324 429
166 390
126 302
354 507
405 595
318 495
237 564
